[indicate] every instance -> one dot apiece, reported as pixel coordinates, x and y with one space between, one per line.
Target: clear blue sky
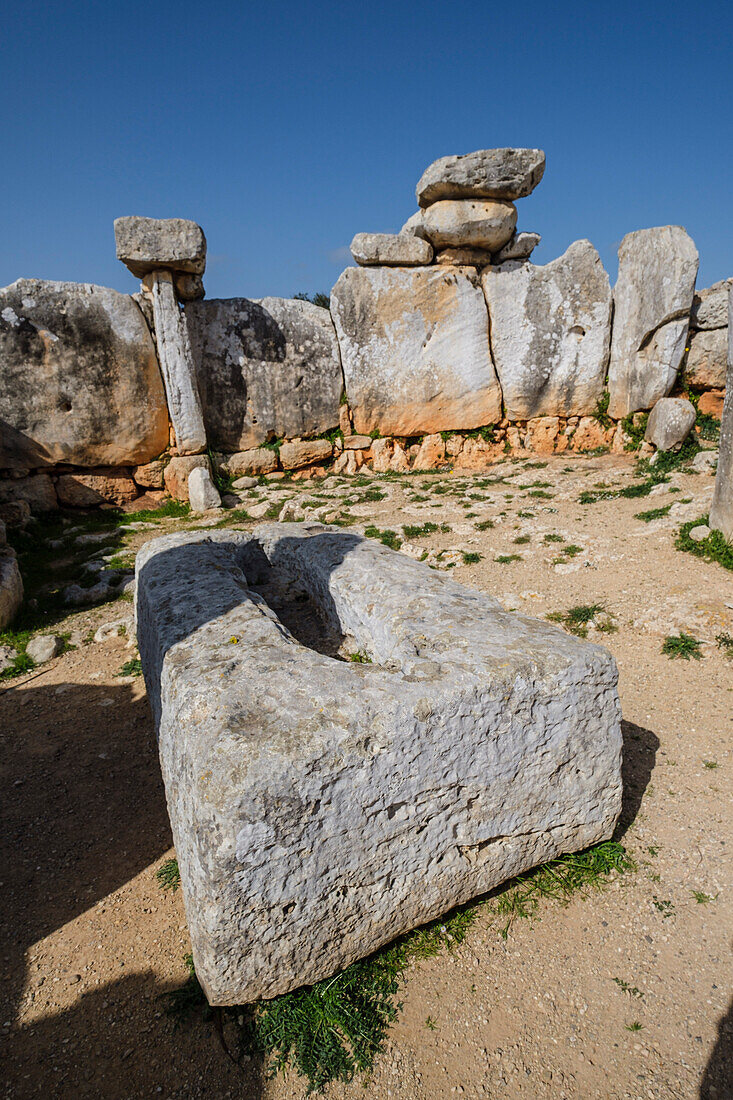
284 128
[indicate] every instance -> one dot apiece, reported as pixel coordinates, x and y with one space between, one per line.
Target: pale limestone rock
293 456
11 587
357 442
177 365
266 369
550 332
710 306
203 495
473 223
381 455
706 360
431 453
148 244
414 226
390 250
415 350
399 461
590 435
699 533
80 381
463 257
150 476
652 300
256 460
670 422
44 647
543 433
484 174
520 247
244 483
321 808
107 486
177 472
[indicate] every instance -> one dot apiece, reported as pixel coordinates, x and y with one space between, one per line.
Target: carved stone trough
320 806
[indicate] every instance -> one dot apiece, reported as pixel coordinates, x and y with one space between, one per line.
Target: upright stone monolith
721 510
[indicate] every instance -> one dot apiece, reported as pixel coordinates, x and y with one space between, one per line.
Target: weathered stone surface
706 359
670 422
147 244
11 587
256 460
710 306
543 433
431 453
485 174
319 807
80 381
44 647
390 250
464 257
652 300
15 513
267 367
414 226
177 472
467 223
150 476
357 442
244 483
202 493
176 364
520 247
589 435
189 288
37 490
550 332
415 350
107 486
711 403
721 509
295 455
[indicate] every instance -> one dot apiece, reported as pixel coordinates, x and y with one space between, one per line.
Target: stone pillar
721 510
170 256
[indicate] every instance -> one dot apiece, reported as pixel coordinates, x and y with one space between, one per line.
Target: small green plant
540 494
505 559
682 646
553 538
522 540
635 1026
710 764
632 990
360 658
318 299
708 427
430 1023
471 557
168 875
702 898
133 667
713 548
484 525
601 410
725 642
653 513
412 531
571 550
577 619
666 908
388 538
634 425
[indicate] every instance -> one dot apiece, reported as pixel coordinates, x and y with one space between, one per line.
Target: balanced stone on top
390 250
485 174
150 244
520 247
461 223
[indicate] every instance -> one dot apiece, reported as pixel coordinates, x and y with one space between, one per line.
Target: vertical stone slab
721 510
652 300
176 364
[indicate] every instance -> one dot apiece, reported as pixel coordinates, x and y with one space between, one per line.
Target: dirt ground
90 940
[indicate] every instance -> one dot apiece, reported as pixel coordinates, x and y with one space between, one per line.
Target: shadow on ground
639 754
717 1080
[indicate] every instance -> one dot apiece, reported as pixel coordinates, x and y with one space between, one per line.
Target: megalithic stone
721 510
176 364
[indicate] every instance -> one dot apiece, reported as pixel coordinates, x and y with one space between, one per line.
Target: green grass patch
682 646
713 548
484 525
522 540
471 558
387 538
505 559
168 875
412 531
653 513
725 642
133 667
576 620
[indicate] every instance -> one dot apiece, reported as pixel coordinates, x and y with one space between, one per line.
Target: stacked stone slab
705 366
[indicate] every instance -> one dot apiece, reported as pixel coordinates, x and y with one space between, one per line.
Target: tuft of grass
725 642
708 427
635 432
653 513
387 538
412 531
703 899
484 525
360 658
169 876
635 1026
713 548
522 540
505 559
133 667
601 410
710 764
682 646
471 557
553 538
577 619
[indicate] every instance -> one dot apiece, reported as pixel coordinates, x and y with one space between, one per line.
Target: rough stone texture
80 381
485 174
147 244
430 454
267 367
202 493
710 306
11 587
150 476
177 473
589 435
44 647
108 486
414 226
176 364
711 403
670 422
391 250
520 247
15 513
652 300
37 490
464 257
357 442
543 433
257 460
295 455
550 332
320 807
461 223
189 288
706 359
415 350
721 509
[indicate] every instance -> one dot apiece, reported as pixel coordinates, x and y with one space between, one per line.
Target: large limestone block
149 244
390 249
710 306
550 332
80 381
203 495
11 587
670 422
415 350
106 486
706 360
267 367
485 174
469 223
293 456
652 300
322 807
37 491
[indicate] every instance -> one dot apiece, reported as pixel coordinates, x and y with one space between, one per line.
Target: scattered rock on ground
44 647
177 473
670 422
203 495
699 533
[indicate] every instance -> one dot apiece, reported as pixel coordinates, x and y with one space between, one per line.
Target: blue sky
285 128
